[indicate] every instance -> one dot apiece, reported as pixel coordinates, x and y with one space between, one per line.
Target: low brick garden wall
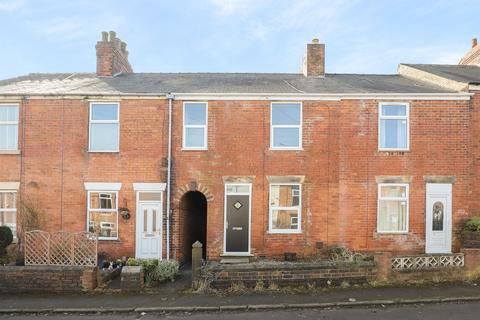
16 279
281 274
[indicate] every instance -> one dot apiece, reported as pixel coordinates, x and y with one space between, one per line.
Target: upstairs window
392 215
8 127
285 214
104 127
195 121
286 125
393 126
103 214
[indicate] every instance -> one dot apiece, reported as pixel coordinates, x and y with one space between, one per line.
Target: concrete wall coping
131 269
44 268
276 266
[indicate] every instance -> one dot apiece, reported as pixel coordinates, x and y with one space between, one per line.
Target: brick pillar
89 278
196 262
472 260
384 265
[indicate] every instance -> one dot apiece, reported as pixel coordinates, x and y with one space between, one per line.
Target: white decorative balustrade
425 262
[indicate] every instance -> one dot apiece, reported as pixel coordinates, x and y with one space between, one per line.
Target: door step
234 260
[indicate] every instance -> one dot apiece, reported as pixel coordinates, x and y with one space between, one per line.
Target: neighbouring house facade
248 164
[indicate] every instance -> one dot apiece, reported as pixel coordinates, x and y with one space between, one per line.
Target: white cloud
73 29
377 58
226 8
11 5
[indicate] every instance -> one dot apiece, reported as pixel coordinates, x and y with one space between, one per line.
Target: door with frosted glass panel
149 231
438 224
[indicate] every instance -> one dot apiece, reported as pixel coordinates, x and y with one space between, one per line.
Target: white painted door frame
439 199
139 224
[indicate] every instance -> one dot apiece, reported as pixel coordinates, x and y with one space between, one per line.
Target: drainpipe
169 169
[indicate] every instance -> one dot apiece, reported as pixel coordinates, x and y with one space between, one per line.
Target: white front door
438 233
149 230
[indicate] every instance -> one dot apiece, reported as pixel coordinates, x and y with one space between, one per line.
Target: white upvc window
285 208
392 210
286 125
102 216
8 127
393 126
104 128
8 210
195 125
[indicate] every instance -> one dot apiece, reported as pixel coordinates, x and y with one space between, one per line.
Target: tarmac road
457 311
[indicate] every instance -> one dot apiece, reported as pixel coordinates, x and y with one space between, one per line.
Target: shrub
165 270
29 218
6 238
156 270
132 262
472 224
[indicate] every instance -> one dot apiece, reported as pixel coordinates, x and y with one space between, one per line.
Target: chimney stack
112 56
473 55
313 64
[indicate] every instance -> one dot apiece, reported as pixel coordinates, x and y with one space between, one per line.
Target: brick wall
289 274
339 161
47 279
56 162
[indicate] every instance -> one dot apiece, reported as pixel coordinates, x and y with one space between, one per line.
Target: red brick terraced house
251 164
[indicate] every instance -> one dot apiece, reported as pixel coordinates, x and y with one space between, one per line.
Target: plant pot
290 256
470 239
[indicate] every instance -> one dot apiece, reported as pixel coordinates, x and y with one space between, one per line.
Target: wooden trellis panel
61 248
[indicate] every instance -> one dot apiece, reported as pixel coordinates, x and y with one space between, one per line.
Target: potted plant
470 233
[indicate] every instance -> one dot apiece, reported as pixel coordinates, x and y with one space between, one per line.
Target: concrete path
446 311
269 300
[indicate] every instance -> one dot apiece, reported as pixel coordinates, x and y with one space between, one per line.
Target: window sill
107 239
391 233
284 232
93 151
286 149
393 150
194 149
14 152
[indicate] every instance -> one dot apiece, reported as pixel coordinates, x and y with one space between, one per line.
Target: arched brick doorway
193 208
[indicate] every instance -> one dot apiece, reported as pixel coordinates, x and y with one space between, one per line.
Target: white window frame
407 199
193 126
102 210
17 122
12 210
299 209
91 121
382 117
299 127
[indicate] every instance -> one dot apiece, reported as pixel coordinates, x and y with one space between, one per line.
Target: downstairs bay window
102 218
392 212
285 214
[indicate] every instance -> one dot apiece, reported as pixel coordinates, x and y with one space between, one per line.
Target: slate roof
253 83
461 73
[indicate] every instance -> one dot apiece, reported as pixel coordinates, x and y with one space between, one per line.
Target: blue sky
370 36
